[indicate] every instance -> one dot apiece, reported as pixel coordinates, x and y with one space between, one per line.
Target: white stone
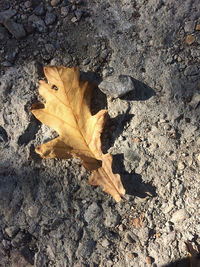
179 215
33 211
105 243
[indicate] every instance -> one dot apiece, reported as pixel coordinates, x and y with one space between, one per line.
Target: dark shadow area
33 155
92 77
3 135
193 260
132 183
142 92
185 262
28 254
135 186
99 100
30 132
117 125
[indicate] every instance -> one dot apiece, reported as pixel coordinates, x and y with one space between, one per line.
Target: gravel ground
144 55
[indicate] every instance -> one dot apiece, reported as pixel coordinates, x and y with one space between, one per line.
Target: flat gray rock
117 87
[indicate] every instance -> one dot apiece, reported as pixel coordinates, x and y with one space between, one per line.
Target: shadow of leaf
117 125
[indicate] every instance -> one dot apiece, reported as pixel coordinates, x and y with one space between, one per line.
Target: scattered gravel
144 55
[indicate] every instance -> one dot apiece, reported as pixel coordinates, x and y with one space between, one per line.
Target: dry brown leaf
194 254
67 110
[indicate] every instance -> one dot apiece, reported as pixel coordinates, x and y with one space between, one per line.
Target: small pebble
181 165
190 39
107 71
131 256
105 243
67 59
148 260
179 215
121 227
50 18
55 2
64 11
162 120
33 211
136 140
54 62
73 8
86 61
179 59
189 26
151 42
117 87
11 231
37 23
195 100
198 157
27 4
74 19
50 48
197 27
